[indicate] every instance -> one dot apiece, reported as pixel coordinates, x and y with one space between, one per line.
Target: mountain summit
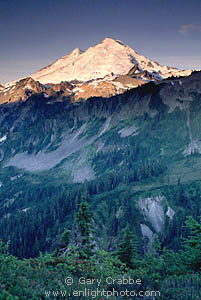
108 57
107 69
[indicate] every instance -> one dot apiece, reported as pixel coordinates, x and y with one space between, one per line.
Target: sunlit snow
109 56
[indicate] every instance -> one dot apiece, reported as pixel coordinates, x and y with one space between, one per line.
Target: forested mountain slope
136 155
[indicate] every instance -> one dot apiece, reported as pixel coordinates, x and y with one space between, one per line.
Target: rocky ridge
107 87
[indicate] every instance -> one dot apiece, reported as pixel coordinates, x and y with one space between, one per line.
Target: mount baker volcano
103 70
109 56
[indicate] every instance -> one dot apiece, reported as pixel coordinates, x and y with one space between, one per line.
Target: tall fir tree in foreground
85 228
127 249
191 255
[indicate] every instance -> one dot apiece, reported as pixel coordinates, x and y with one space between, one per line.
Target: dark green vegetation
137 157
165 275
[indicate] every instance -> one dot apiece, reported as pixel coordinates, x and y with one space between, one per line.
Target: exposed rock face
128 81
21 90
152 210
193 147
179 92
64 87
104 89
146 232
174 93
128 131
138 74
59 90
170 213
24 88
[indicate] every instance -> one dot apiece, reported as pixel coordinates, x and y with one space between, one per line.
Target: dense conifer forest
78 269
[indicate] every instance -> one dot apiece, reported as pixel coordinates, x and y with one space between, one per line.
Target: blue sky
34 33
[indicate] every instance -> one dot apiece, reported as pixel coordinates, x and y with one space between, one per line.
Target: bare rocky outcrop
24 88
21 90
146 232
152 210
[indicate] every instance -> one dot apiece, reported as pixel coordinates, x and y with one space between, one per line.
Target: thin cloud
189 28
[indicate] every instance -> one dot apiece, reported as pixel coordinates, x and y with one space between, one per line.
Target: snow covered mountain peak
75 52
107 57
110 42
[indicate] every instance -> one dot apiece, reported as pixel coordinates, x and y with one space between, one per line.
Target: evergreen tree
192 246
85 228
127 250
